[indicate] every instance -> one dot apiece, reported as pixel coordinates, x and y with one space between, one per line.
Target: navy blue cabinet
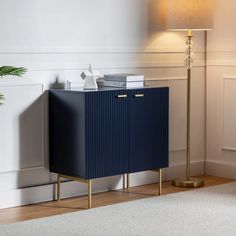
108 132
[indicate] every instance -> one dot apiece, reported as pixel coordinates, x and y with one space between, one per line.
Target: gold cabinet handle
139 95
121 96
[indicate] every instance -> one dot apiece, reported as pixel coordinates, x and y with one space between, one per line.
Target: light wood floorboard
16 214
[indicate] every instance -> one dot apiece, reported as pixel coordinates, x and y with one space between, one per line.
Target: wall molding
24 169
221 169
223 146
150 79
112 65
218 56
43 193
231 149
97 50
178 149
23 178
229 77
221 63
21 83
11 81
221 49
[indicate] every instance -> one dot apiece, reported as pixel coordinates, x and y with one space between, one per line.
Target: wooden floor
17 214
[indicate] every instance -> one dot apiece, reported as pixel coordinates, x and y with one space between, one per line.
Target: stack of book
123 80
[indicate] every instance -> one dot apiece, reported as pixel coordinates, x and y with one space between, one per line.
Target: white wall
221 96
58 39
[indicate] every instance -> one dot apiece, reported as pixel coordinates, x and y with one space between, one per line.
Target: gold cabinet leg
58 188
160 181
89 193
124 175
128 180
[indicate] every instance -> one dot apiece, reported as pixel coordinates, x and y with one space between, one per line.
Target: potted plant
10 70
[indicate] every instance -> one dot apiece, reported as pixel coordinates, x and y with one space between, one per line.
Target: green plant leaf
11 70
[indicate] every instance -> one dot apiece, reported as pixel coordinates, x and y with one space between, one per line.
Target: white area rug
208 211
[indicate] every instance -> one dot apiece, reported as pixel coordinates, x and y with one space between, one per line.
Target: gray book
121 84
124 77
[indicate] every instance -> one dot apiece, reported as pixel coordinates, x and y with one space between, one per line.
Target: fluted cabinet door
107 133
148 129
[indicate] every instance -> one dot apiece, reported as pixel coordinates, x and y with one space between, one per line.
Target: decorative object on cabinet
90 78
10 70
108 132
123 80
189 15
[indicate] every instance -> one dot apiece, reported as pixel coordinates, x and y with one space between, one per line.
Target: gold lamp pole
188 181
188 15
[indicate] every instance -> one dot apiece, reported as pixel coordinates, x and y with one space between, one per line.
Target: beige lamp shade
189 14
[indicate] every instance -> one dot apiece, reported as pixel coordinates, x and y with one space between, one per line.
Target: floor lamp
188 15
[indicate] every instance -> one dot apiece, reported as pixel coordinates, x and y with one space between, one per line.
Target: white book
121 84
124 77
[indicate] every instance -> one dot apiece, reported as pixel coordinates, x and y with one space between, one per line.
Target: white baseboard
221 169
25 196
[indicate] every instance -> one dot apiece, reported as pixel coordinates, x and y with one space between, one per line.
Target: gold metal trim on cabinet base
89 182
125 181
128 180
160 180
188 183
126 184
58 188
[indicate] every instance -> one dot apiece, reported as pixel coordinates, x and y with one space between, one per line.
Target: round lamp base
188 183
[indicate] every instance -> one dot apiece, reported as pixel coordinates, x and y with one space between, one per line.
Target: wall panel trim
109 65
21 83
172 78
221 49
221 63
223 146
97 50
221 169
232 149
115 65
